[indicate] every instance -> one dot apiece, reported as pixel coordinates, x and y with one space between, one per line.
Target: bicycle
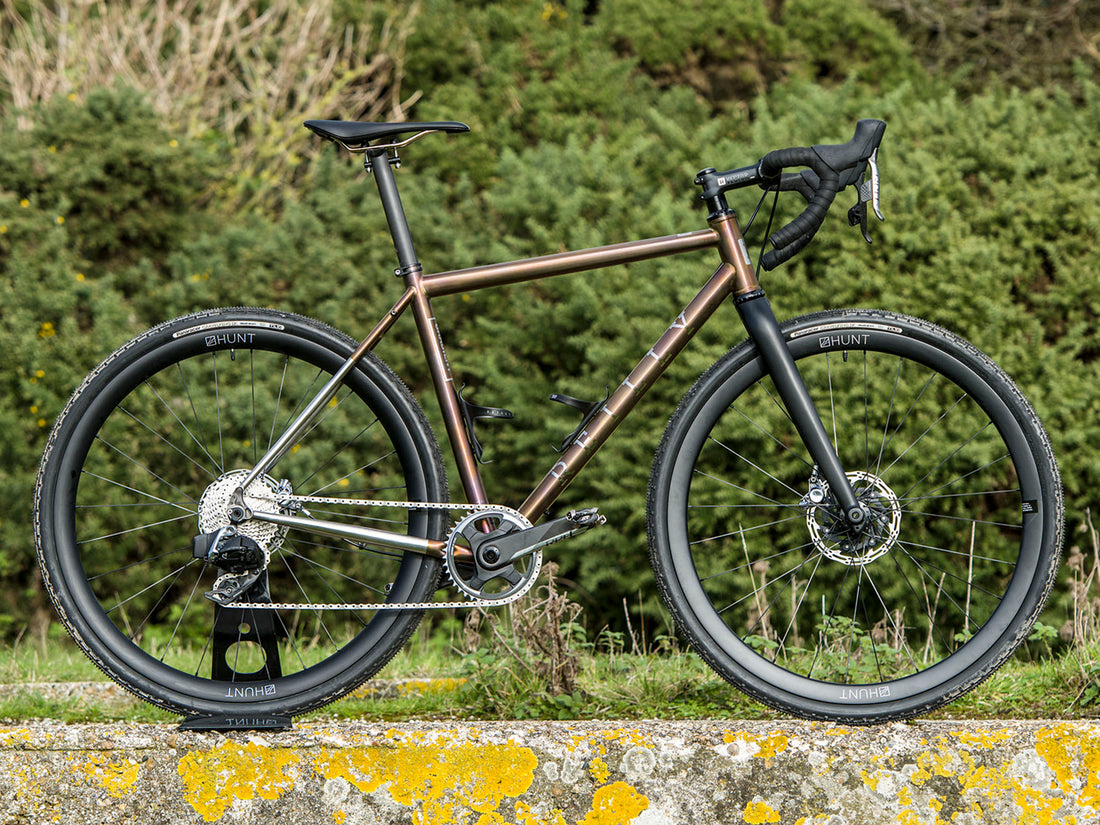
853 515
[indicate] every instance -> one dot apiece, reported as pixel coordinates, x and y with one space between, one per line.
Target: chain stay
404 505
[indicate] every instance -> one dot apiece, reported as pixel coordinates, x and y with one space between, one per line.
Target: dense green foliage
587 129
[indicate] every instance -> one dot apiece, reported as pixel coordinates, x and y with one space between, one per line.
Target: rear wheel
147 455
763 575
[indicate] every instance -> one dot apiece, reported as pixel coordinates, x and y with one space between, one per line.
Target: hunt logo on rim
853 694
250 691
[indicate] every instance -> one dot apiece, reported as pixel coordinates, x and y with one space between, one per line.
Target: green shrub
126 185
580 139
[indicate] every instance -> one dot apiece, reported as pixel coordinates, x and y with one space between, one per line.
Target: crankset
492 555
474 561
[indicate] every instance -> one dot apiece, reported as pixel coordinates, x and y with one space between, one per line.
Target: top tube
564 263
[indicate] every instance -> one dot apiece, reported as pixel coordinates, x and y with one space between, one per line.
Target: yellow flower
45 331
552 10
41 422
173 143
72 97
34 409
80 276
40 374
3 229
60 219
24 203
52 150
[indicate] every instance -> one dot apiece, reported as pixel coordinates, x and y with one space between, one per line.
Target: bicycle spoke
140 527
954 453
920 567
111 481
796 608
142 467
139 562
736 487
183 612
771 436
829 618
316 566
889 415
168 443
338 452
200 440
218 408
929 613
751 464
278 402
760 590
931 493
348 475
146 589
740 531
923 434
749 564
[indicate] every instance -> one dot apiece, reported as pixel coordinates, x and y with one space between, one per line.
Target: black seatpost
379 161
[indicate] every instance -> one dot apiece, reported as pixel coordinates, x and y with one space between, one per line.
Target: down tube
630 392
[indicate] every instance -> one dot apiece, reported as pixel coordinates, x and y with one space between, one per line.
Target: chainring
466 572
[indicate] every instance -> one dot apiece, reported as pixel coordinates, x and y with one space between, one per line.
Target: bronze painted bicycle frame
734 277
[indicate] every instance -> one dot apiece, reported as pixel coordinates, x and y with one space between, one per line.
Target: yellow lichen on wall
767 746
985 785
439 780
615 804
213 779
942 761
525 815
597 740
984 738
759 812
1072 752
117 778
599 770
16 736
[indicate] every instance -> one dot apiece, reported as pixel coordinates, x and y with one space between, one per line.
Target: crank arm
522 543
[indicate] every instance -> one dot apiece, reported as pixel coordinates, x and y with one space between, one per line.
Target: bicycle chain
404 505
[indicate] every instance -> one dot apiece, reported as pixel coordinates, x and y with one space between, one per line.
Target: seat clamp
404 271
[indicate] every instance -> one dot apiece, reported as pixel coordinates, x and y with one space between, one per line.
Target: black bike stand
259 629
230 723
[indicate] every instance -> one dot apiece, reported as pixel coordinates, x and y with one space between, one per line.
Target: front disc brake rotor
873 539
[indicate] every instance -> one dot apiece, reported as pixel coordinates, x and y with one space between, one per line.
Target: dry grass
220 66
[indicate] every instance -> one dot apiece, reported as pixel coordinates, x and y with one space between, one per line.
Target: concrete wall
544 773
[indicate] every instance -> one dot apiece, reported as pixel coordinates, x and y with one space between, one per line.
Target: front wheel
767 582
147 456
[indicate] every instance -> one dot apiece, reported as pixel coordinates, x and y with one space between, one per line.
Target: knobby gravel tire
764 581
143 458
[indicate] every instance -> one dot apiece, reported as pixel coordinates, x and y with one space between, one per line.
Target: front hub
836 537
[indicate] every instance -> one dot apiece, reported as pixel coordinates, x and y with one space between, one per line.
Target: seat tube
428 329
442 379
